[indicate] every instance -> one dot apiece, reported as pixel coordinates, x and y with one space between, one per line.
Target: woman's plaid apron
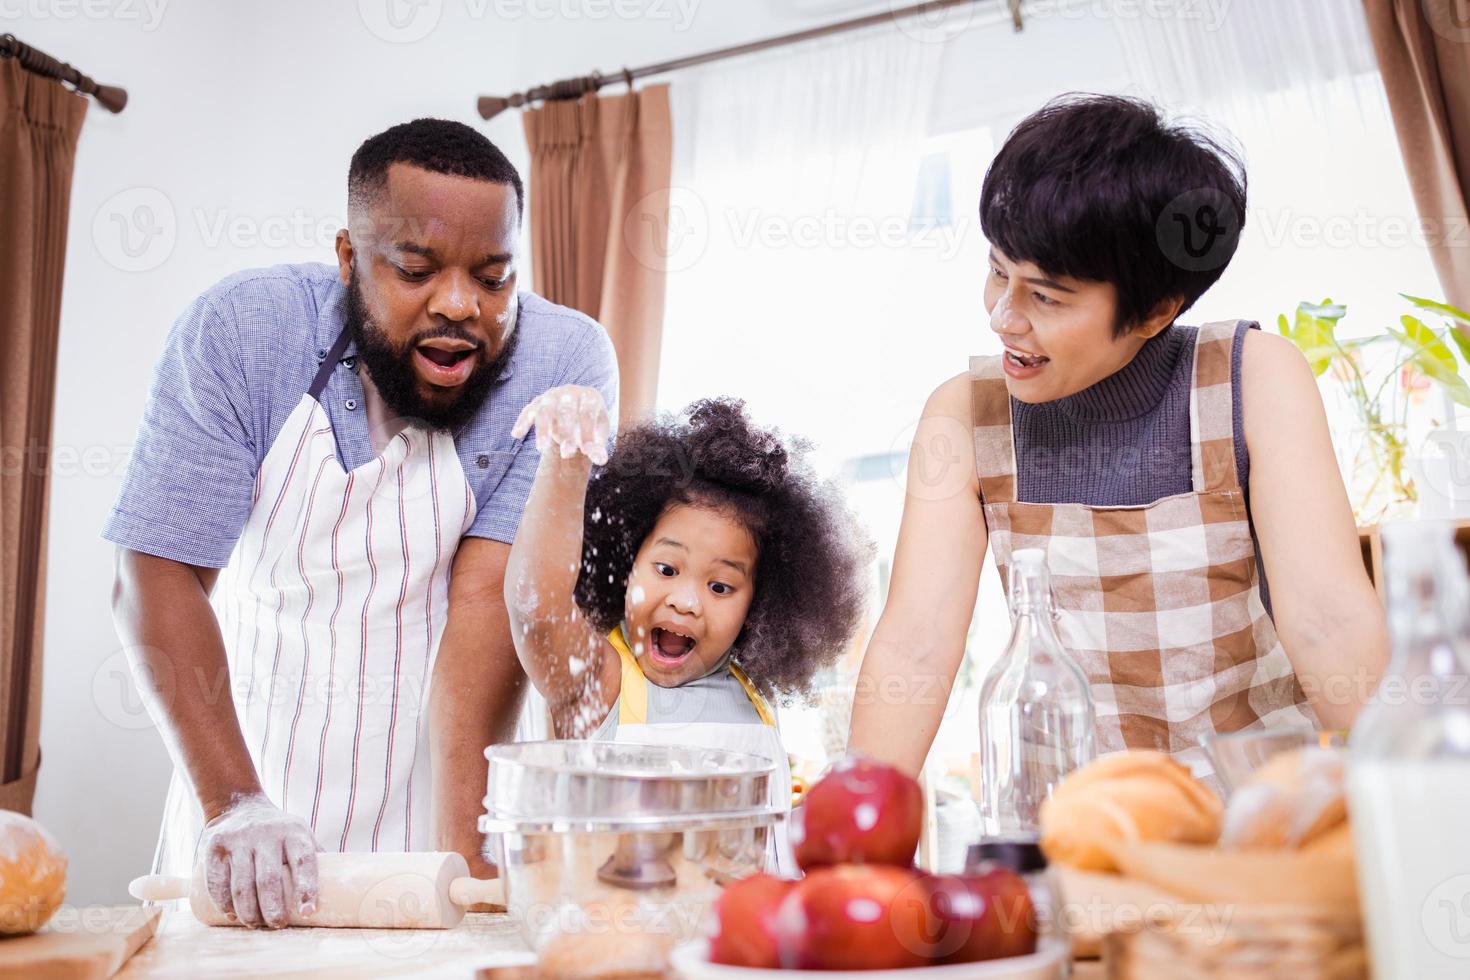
1160 604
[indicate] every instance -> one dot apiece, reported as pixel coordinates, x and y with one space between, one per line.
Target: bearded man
313 531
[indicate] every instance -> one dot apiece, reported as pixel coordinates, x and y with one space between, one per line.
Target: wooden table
184 949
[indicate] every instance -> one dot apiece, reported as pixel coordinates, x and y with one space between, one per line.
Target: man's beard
398 384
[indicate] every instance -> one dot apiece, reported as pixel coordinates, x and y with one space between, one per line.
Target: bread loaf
32 874
1291 801
1130 796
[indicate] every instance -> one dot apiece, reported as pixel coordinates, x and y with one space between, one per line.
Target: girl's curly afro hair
809 581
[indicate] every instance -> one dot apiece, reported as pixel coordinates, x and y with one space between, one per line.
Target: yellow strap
761 707
633 698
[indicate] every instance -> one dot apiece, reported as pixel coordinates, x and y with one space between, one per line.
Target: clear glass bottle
1037 722
1409 766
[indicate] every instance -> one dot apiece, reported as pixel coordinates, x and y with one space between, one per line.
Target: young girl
696 574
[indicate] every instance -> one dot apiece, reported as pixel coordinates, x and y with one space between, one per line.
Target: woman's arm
1328 616
919 642
571 664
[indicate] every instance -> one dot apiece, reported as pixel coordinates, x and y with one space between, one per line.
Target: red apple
855 917
983 915
862 812
746 922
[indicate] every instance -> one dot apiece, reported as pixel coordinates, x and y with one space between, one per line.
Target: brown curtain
1423 51
39 124
600 170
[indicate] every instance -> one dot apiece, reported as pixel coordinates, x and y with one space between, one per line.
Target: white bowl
691 961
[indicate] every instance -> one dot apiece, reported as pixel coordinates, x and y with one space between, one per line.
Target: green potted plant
1380 390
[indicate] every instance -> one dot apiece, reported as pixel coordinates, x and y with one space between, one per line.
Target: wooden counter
184 949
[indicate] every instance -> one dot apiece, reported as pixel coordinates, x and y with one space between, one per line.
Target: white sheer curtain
841 118
1297 86
792 249
1236 51
795 175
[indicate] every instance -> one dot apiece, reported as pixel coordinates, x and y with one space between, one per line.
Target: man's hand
260 863
571 417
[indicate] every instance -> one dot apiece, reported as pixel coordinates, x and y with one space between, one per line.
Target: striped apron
331 608
722 710
1160 604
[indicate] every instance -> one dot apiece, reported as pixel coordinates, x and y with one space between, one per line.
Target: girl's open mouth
669 648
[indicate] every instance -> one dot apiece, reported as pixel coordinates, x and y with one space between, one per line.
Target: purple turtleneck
1125 440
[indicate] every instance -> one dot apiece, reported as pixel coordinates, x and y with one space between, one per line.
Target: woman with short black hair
1165 469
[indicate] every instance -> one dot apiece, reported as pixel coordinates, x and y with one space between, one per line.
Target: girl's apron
641 719
331 609
1160 604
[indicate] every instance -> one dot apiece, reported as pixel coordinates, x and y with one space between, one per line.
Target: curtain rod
110 97
491 106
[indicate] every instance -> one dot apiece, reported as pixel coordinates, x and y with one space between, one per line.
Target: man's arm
475 696
919 642
1328 616
162 612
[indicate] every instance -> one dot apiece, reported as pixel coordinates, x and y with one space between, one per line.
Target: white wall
235 144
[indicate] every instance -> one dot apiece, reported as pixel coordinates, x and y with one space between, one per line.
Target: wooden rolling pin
424 890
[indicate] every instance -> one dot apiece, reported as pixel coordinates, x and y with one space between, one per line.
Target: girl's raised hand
571 417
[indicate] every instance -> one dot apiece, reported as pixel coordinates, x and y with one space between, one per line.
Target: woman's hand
572 418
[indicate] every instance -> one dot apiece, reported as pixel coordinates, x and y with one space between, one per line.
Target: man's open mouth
669 646
446 362
446 355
